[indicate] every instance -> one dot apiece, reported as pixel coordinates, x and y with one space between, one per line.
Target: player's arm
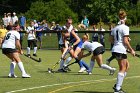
76 37
19 46
126 43
84 55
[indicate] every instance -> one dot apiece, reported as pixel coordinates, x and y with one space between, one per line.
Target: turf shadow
90 92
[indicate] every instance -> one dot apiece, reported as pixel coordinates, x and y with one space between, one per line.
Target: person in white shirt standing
120 38
14 18
5 21
97 50
31 39
10 43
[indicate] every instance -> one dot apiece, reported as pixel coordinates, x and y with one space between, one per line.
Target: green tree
55 10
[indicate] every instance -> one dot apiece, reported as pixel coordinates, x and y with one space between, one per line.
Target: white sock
104 66
119 80
91 65
28 50
12 67
35 49
21 67
68 60
61 64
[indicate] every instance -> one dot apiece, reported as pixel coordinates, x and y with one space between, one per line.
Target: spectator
84 23
22 22
14 18
45 26
2 35
58 28
39 35
102 39
95 35
53 26
35 24
9 18
5 21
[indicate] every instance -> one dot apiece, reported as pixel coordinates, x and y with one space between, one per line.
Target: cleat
66 68
35 55
28 55
26 76
61 70
112 71
12 76
89 73
82 70
118 91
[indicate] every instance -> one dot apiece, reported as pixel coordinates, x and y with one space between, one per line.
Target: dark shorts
119 55
8 50
62 46
32 42
99 50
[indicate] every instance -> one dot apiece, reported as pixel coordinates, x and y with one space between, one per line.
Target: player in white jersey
119 36
9 47
31 39
97 50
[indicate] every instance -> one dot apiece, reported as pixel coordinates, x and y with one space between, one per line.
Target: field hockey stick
69 65
37 60
50 70
137 55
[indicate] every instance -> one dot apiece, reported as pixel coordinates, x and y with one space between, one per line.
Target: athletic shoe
35 55
107 62
112 71
118 91
89 73
67 68
26 76
28 55
61 70
82 70
12 76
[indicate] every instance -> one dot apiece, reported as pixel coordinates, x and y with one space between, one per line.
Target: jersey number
8 36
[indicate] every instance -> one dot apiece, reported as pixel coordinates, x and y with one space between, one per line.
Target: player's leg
123 67
16 57
92 62
63 51
12 66
8 53
75 55
35 46
29 47
121 74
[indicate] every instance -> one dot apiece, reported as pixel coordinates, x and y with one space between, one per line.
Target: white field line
97 81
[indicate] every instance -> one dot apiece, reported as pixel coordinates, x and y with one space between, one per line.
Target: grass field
71 82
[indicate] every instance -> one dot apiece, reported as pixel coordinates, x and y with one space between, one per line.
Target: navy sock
85 65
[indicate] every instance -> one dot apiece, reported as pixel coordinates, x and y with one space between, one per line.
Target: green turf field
71 82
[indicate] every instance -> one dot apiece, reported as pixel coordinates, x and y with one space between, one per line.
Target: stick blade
50 70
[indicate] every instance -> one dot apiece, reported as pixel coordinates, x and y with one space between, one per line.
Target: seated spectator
84 23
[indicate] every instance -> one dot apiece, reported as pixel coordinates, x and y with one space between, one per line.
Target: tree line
58 10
